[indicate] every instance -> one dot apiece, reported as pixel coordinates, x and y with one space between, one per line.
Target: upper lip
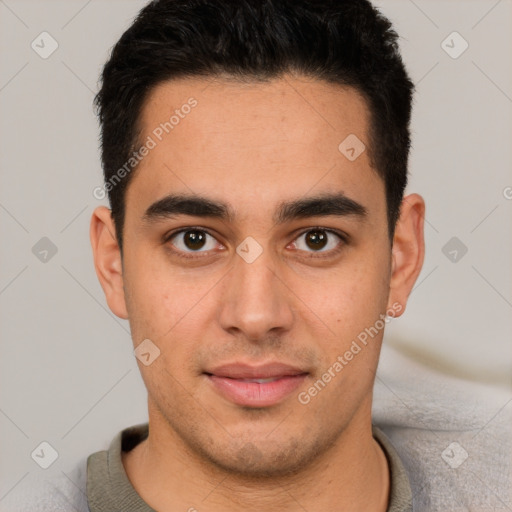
262 371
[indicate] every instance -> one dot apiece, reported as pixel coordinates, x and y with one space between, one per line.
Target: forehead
268 140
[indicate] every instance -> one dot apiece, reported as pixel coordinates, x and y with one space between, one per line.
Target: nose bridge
255 300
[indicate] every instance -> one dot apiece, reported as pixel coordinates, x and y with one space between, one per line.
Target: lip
238 382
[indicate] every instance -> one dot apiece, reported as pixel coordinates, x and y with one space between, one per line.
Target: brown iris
194 239
316 239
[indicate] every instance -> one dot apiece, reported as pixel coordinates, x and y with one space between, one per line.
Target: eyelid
172 234
188 254
340 234
345 239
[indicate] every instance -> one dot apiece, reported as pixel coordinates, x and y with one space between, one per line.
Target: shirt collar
109 489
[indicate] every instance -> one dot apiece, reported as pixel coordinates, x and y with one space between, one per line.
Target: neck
353 474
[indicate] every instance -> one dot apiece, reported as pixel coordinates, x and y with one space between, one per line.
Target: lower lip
254 394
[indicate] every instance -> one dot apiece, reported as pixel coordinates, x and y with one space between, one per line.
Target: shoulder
50 492
453 436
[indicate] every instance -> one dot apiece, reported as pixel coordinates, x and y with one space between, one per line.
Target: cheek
161 300
351 305
349 298
165 307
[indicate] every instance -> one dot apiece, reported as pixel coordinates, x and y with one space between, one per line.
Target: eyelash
344 239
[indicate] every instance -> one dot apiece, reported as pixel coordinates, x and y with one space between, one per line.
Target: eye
188 242
192 241
319 240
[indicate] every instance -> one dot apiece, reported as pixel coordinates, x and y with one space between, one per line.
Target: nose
256 300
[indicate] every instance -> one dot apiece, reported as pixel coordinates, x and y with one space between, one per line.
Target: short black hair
345 42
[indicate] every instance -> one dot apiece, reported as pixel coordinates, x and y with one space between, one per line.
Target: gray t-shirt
109 490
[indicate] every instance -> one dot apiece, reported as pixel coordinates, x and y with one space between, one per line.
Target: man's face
221 318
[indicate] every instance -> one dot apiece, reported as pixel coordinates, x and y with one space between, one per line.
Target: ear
408 251
107 260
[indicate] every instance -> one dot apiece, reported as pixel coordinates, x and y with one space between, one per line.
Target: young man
255 157
250 243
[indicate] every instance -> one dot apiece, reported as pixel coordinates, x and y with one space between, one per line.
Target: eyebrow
173 205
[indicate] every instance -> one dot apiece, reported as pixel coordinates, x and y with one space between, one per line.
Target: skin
254 145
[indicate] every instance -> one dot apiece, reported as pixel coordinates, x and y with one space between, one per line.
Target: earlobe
107 260
408 250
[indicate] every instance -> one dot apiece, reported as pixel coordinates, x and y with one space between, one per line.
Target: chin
261 459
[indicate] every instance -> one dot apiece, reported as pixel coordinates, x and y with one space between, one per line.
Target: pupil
316 239
194 239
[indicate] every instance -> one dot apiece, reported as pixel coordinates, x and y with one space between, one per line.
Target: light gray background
67 371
